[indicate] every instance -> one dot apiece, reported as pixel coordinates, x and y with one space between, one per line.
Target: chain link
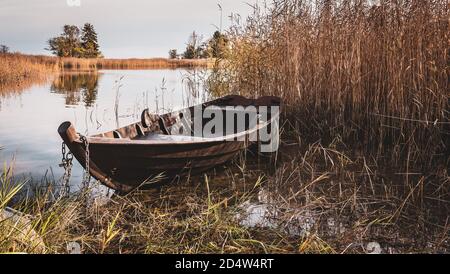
66 162
87 175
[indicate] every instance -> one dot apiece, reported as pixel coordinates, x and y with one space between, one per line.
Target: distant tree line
216 47
74 42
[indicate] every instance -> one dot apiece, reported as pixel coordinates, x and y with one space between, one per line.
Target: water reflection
75 86
271 210
30 117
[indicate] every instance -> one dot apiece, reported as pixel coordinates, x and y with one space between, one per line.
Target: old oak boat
128 157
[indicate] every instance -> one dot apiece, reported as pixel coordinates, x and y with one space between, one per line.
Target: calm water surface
29 119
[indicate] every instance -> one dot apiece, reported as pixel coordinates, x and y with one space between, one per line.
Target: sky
126 28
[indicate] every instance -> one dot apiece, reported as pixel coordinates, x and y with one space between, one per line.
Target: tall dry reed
152 63
18 70
373 75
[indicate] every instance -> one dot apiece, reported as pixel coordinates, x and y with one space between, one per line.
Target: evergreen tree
75 43
89 42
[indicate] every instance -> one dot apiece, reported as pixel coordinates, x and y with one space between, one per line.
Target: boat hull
125 164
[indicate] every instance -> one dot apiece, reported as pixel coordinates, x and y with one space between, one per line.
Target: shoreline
21 70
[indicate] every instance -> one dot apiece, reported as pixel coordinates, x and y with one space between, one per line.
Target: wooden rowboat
127 157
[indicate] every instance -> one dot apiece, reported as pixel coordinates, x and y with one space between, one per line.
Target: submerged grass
181 219
318 201
353 201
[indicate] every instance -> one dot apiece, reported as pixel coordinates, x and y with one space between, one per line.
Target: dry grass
354 201
154 63
319 201
19 71
365 89
374 76
181 219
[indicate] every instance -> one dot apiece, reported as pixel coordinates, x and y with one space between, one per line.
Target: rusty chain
66 162
87 175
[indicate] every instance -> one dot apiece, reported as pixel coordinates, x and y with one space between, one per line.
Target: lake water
29 119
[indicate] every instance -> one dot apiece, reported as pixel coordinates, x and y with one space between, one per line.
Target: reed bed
374 75
153 63
365 89
18 71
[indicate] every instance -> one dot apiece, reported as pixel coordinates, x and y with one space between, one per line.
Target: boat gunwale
197 140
